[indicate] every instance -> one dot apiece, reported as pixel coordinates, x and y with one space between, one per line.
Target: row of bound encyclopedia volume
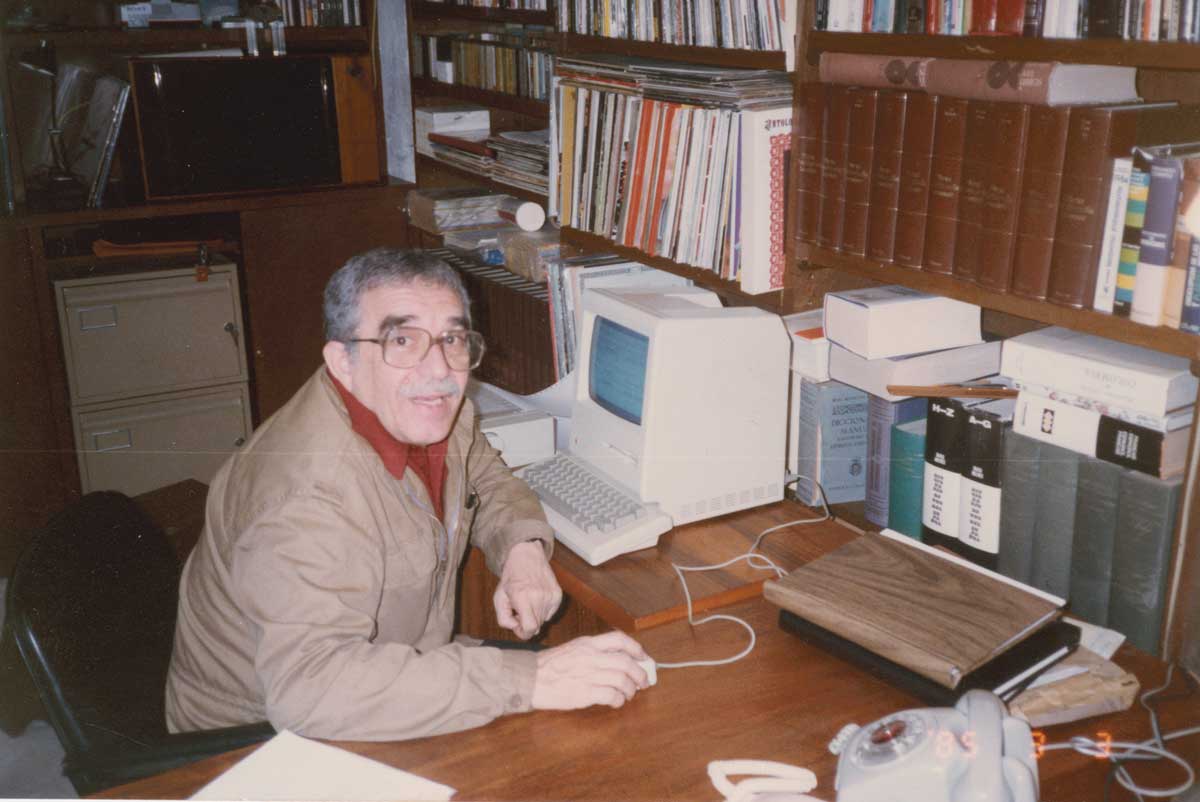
923 619
1140 20
1012 196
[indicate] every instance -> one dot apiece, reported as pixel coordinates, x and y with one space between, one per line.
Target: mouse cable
755 560
1121 752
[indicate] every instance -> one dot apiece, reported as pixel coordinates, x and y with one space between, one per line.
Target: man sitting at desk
321 593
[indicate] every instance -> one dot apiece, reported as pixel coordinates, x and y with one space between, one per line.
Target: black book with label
1006 675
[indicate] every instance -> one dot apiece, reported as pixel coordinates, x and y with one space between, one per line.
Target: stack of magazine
522 159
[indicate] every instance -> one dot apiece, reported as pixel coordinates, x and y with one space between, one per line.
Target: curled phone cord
1122 752
755 560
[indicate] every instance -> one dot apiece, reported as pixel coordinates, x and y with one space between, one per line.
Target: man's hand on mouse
595 670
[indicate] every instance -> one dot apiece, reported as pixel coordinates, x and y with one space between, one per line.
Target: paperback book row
731 24
506 64
677 161
1046 202
321 13
1091 451
526 5
1143 20
460 135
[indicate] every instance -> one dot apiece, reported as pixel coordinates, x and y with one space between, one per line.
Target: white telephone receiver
973 752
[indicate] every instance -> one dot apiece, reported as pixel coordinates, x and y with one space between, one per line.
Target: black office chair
91 606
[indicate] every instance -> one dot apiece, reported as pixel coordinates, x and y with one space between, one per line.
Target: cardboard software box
448 119
888 321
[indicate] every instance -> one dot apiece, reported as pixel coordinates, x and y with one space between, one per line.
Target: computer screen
682 400
617 379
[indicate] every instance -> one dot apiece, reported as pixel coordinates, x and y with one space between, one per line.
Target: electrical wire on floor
754 559
1122 753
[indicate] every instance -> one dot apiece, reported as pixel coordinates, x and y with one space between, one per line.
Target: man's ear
338 359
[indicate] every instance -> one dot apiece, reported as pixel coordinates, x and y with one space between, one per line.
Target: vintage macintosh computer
680 414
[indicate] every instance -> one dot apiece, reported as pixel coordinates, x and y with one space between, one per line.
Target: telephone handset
972 752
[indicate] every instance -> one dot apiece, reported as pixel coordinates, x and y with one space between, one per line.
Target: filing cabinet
156 368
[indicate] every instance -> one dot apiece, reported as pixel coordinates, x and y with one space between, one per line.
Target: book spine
1131 239
1040 189
979 152
1104 19
1189 319
944 455
1146 515
1054 520
916 163
907 478
1157 240
808 160
766 143
864 69
833 167
1006 175
1019 476
1086 173
885 176
1006 81
1095 528
882 416
1114 231
980 496
1031 24
1172 308
945 185
860 158
983 17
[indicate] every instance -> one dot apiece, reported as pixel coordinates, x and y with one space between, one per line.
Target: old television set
219 125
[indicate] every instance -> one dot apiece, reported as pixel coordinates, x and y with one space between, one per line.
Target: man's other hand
599 670
528 593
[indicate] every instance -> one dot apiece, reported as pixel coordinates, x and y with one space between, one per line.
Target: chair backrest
92 604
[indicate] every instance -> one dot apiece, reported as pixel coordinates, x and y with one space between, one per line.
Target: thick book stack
1092 474
511 63
1030 179
726 24
893 335
446 209
681 162
1150 21
513 315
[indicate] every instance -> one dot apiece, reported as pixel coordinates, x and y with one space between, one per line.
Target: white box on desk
447 119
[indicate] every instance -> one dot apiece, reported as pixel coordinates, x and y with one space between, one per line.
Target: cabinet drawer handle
241 441
233 331
112 440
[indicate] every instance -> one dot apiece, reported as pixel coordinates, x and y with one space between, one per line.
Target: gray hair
376 268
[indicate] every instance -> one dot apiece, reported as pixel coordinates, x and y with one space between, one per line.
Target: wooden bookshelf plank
1159 55
500 100
588 242
711 56
436 11
330 38
427 164
1159 338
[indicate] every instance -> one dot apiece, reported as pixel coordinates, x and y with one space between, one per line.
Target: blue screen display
617 369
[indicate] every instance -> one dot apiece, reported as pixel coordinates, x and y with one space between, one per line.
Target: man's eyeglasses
406 347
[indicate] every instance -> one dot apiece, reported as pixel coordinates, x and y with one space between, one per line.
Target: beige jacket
321 593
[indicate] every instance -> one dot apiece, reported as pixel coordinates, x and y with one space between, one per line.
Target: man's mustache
446 386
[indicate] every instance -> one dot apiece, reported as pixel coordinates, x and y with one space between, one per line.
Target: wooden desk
784 702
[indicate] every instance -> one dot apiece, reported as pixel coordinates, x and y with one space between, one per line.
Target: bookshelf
508 111
713 56
1166 71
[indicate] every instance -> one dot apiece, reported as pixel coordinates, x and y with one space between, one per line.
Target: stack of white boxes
156 364
457 118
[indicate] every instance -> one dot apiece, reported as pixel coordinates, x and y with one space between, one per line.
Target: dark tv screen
217 125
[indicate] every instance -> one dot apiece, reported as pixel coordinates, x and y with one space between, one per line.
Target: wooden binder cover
931 612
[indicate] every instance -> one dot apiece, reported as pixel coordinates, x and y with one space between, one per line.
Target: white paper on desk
289 767
1099 640
557 400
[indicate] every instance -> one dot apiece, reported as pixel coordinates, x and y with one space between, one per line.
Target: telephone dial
972 752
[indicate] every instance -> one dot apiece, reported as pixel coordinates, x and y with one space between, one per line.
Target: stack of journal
926 620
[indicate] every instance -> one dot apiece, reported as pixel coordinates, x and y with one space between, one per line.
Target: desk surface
640 590
783 702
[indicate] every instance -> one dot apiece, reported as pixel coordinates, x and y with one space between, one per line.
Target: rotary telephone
972 752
